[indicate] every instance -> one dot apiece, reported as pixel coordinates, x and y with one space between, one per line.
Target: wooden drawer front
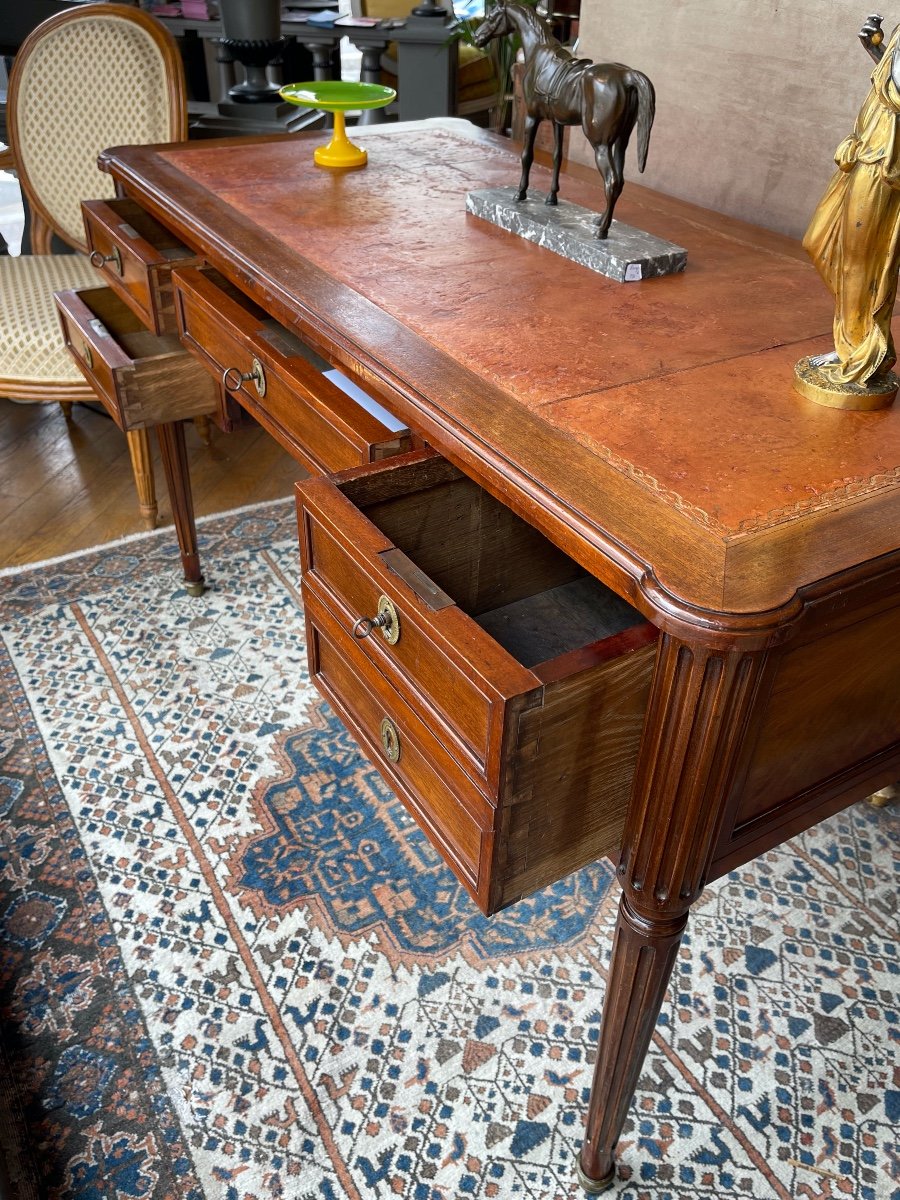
141 378
441 661
136 256
364 537
311 417
423 665
455 817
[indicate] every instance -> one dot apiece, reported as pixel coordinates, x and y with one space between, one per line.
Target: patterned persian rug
233 969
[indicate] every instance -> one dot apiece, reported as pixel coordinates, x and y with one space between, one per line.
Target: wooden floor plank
65 489
20 459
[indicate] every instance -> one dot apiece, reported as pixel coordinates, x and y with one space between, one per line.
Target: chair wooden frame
43 227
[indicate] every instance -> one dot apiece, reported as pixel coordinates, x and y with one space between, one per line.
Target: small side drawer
529 674
275 377
136 255
141 378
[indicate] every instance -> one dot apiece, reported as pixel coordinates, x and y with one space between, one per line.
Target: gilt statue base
627 255
810 382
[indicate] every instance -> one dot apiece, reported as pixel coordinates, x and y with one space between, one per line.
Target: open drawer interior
141 378
528 595
133 224
273 334
113 318
496 659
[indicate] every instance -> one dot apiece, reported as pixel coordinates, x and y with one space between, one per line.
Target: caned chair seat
31 342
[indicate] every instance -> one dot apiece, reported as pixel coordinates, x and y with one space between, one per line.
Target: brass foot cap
811 380
195 589
886 796
595 1186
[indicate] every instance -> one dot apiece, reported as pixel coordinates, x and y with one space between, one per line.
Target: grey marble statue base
626 255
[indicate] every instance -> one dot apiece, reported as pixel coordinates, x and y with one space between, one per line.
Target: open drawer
280 381
136 255
142 378
498 687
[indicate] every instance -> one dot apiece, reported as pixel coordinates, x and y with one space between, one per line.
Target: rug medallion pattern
233 969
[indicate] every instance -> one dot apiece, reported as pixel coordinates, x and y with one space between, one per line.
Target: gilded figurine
605 99
854 242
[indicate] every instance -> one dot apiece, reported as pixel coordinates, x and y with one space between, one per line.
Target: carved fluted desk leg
178 481
700 704
142 468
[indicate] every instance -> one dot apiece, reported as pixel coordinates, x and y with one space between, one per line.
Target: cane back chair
88 78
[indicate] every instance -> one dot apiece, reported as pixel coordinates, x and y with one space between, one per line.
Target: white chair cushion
31 341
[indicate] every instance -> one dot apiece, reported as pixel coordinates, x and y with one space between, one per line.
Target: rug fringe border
130 538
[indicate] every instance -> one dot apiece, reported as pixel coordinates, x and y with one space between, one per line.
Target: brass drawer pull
88 355
233 377
99 260
388 621
390 739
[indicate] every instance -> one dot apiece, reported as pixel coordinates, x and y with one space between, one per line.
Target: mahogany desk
650 432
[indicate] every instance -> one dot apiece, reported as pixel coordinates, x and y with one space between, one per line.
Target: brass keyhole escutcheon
233 377
88 355
387 620
99 260
390 739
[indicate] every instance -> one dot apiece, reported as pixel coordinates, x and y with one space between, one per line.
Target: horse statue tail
646 113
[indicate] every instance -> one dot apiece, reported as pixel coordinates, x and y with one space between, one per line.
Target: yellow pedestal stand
336 96
340 151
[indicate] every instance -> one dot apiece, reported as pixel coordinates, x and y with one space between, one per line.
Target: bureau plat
599 581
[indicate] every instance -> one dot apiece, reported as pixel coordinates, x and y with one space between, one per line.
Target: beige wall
753 96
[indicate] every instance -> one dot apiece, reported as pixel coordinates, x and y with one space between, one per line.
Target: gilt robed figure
854 242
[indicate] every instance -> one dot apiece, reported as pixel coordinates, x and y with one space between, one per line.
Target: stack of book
195 10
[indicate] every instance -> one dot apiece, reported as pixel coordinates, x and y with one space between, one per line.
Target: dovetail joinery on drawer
142 378
530 677
317 422
136 256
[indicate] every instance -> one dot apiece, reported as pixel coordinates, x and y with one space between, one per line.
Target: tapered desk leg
642 960
142 467
700 705
178 481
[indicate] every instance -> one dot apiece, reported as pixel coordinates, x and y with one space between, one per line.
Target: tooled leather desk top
648 425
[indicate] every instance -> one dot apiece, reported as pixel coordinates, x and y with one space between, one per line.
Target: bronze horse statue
605 99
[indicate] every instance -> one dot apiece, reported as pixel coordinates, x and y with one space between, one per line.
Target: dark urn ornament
252 31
